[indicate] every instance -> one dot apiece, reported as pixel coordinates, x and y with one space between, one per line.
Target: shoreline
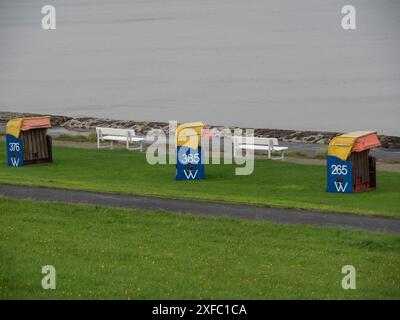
87 124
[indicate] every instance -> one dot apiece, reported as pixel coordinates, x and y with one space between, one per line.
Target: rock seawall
142 127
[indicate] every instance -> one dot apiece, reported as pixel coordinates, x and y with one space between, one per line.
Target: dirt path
205 208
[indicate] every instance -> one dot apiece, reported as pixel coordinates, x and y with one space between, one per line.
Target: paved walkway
218 209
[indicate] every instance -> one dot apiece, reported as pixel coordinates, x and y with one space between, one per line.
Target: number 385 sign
189 165
340 175
15 152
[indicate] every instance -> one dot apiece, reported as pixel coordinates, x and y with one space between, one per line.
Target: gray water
257 63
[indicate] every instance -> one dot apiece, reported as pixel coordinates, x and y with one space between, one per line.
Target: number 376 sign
15 154
340 175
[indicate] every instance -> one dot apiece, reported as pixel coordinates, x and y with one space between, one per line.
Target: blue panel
340 175
189 164
15 151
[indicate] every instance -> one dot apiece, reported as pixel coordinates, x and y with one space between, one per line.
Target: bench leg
99 146
139 147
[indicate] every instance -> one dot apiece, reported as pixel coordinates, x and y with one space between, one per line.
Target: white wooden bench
127 136
260 144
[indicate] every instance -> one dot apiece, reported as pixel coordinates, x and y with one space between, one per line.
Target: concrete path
217 209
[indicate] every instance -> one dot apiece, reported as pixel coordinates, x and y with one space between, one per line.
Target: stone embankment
142 127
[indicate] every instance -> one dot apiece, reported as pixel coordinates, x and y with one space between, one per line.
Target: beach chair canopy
358 141
15 126
189 134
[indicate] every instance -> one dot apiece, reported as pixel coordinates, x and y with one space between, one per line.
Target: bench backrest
115 132
256 141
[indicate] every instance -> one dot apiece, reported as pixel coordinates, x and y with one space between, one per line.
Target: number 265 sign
340 175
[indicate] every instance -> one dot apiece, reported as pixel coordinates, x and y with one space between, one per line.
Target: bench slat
119 135
115 132
118 138
262 144
259 147
256 141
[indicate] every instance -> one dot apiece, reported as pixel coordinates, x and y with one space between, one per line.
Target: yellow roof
342 145
15 126
189 134
357 134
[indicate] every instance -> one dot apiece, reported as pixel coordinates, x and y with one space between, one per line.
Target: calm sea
273 64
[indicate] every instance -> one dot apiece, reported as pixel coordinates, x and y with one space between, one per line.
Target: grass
296 154
76 138
109 253
321 154
273 183
391 161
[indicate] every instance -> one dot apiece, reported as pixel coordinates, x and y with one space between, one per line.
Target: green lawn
109 253
273 183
